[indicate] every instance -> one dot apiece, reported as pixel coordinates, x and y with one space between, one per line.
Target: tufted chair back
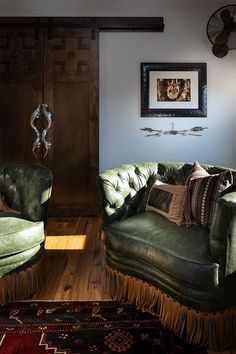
27 189
124 189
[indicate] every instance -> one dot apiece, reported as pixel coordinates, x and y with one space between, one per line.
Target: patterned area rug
84 327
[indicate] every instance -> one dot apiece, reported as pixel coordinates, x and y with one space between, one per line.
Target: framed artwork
173 90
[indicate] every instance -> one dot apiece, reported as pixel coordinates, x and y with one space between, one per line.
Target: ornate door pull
37 143
41 137
48 116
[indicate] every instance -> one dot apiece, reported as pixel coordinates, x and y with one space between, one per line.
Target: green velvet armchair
25 192
186 275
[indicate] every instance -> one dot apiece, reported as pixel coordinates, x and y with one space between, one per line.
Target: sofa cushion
11 214
178 251
18 260
17 235
169 200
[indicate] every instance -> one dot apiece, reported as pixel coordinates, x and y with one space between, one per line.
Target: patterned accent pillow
204 190
170 201
197 172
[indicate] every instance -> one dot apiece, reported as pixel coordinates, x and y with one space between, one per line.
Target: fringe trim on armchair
20 285
216 330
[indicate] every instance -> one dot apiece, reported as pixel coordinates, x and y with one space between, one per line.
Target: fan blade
221 39
233 12
226 17
228 20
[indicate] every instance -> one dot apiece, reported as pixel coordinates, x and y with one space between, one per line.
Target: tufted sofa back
124 189
27 189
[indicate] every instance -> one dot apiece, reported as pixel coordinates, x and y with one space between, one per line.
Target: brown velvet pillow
5 208
1 203
170 201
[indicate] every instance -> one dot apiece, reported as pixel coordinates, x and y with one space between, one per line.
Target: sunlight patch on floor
66 242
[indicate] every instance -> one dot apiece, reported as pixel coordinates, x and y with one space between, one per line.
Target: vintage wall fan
221 30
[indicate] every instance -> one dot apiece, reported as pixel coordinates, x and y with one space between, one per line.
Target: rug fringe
216 330
20 285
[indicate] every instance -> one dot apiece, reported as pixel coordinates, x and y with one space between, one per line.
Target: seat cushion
17 235
22 259
178 251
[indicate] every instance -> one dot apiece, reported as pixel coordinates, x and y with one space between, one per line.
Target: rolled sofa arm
27 188
223 235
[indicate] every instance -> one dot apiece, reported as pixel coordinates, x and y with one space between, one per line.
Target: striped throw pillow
205 189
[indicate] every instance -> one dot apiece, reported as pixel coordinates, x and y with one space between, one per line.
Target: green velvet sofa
186 275
25 192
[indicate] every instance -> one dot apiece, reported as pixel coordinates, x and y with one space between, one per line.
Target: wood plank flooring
77 274
74 274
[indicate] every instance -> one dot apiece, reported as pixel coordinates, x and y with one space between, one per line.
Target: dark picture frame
173 90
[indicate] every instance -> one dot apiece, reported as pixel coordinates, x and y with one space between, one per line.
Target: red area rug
105 327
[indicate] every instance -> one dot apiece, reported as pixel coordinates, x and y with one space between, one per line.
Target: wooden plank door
21 61
71 93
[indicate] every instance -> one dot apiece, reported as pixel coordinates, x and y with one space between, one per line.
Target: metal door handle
41 137
38 142
48 116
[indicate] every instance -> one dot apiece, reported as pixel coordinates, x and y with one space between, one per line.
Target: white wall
184 40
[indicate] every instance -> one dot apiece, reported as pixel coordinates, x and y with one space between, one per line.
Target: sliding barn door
21 83
71 93
57 67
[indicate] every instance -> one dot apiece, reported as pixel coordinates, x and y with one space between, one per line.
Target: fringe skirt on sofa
216 330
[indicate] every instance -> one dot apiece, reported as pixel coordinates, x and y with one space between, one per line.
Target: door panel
20 91
71 92
71 151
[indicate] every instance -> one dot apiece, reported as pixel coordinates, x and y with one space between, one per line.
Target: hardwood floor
76 274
